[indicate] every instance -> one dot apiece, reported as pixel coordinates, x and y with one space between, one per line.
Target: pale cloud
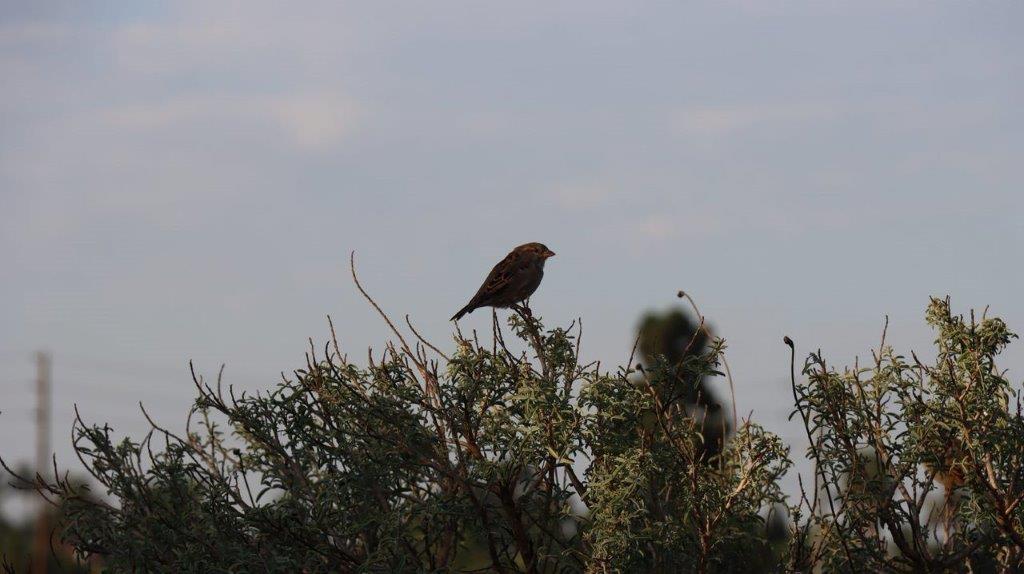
721 121
307 121
580 196
315 121
719 219
174 38
660 227
223 36
313 116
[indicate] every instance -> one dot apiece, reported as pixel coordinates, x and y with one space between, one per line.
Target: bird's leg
524 312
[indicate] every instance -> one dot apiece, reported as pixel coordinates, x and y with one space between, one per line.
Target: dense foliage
887 435
509 455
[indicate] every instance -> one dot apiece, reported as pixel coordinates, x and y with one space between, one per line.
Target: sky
185 181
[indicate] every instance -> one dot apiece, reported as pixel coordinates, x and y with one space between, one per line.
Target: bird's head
537 249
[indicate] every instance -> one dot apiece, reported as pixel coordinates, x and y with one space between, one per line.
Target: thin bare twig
725 362
424 341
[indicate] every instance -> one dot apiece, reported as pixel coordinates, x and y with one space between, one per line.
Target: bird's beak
549 253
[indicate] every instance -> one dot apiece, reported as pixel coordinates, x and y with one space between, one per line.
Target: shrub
886 436
509 455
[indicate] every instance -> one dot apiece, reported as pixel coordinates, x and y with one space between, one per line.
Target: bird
512 280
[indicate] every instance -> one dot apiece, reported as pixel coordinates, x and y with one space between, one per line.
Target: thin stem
814 449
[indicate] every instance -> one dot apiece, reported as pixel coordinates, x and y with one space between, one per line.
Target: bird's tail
467 309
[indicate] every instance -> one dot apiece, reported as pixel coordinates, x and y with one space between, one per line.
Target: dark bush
508 455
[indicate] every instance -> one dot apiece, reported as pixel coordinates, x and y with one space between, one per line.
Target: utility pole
41 545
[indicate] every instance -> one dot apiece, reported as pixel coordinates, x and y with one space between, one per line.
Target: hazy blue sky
185 181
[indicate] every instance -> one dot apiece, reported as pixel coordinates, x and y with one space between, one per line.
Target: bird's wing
499 277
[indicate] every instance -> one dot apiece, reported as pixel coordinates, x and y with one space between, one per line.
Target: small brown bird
512 280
